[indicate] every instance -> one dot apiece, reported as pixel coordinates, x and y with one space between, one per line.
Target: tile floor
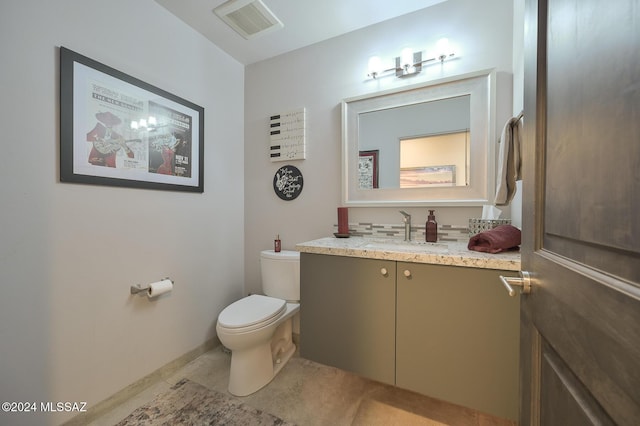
310 394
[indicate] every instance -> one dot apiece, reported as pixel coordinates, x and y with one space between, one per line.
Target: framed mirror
426 144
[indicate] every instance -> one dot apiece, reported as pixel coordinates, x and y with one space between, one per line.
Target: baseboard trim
138 386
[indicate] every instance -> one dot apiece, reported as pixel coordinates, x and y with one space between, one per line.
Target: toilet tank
281 274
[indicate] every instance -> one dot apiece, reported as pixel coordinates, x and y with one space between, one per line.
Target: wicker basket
477 226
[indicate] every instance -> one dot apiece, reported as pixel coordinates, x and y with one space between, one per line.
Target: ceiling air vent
250 18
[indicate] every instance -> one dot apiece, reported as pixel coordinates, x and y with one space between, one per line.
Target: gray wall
318 78
69 329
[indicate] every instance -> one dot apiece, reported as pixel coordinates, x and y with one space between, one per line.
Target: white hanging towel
509 160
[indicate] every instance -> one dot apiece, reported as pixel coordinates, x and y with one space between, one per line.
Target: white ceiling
305 22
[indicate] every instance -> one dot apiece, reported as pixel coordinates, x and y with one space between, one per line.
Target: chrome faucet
407 225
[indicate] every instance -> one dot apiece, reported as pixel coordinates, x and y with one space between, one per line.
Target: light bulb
406 58
375 66
442 48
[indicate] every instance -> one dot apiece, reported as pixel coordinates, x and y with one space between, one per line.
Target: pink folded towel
500 238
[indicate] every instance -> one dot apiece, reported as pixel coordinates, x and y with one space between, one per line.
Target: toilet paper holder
138 288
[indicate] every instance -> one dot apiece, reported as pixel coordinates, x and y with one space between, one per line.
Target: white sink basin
405 246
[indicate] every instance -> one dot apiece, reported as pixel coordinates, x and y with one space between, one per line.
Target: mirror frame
481 86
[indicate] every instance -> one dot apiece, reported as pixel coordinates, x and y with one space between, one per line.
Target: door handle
524 282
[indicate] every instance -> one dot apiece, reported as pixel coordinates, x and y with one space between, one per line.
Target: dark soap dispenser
432 228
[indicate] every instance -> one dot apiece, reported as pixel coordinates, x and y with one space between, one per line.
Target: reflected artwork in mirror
368 169
431 144
435 160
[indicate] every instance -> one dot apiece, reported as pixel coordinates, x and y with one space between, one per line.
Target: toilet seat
251 312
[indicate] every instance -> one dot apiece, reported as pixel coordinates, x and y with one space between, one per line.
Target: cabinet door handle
524 282
384 271
407 273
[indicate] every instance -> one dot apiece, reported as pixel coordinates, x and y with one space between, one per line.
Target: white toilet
257 329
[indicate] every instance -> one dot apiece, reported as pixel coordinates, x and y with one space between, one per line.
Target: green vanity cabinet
449 332
348 314
457 336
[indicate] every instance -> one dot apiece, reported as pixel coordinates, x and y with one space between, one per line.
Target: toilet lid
251 310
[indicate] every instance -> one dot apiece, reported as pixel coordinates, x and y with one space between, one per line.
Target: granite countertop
441 253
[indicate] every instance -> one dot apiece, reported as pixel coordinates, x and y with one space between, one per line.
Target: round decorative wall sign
287 182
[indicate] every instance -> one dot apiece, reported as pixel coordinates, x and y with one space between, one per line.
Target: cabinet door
458 337
347 314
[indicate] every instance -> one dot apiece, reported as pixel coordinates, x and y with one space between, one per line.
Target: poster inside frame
120 131
368 169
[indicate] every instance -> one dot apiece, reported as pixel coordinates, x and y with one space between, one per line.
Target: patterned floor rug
189 403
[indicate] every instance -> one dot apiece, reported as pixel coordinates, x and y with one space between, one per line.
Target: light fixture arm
407 68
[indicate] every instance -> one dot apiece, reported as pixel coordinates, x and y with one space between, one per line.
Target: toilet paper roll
160 287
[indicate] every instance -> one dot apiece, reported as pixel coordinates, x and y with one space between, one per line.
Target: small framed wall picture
368 169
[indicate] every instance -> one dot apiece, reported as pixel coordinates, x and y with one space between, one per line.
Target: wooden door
580 326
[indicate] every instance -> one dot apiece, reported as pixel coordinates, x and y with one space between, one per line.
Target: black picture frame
120 131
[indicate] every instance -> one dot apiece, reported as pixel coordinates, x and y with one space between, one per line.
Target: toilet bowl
258 328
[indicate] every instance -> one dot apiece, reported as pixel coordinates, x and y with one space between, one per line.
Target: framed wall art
120 131
368 169
288 182
415 177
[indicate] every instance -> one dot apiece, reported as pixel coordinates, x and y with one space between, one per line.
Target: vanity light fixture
409 62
